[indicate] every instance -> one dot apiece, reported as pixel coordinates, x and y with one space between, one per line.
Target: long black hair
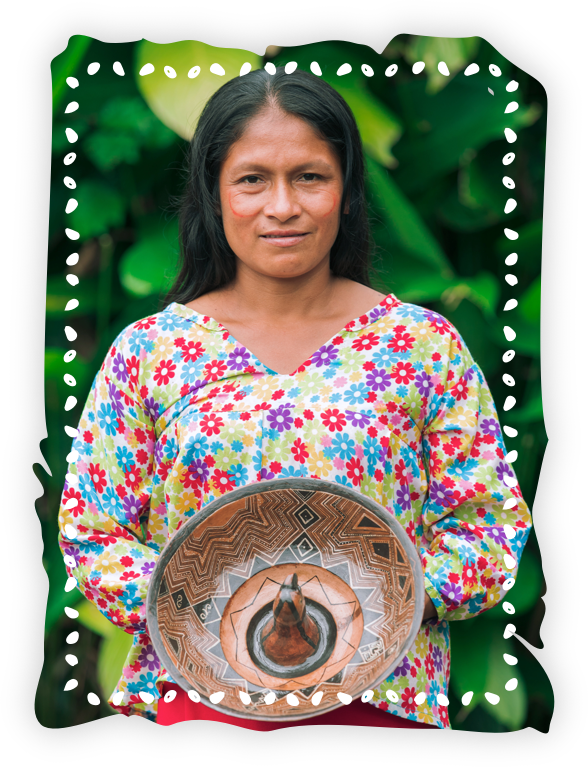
206 260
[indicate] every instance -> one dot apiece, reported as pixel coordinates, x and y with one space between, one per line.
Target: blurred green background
434 148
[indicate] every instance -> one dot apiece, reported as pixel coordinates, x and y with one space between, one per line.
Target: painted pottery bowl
285 586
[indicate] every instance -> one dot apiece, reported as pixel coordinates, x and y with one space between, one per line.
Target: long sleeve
107 495
466 552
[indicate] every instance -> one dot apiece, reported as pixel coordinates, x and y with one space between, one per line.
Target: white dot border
511 204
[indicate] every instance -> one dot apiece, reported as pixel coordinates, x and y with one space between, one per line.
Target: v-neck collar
359 323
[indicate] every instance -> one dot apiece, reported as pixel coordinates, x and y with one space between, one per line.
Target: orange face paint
335 203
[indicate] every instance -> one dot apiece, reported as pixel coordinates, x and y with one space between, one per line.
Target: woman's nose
283 200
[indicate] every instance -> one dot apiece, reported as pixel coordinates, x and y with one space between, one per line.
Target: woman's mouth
284 239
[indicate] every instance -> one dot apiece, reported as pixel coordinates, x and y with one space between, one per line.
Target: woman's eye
250 179
255 178
309 176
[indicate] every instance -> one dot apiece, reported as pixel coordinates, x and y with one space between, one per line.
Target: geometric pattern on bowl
352 557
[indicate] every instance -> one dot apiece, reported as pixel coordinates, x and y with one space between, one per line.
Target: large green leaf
530 302
461 118
59 140
100 207
178 101
453 214
538 687
526 591
59 294
91 617
404 226
148 266
378 127
511 709
477 200
531 411
65 65
482 290
456 52
477 665
125 126
527 246
470 647
114 650
56 368
527 340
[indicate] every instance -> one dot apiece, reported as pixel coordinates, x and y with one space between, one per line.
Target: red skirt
182 709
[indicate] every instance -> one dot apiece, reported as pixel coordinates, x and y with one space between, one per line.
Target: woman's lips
285 240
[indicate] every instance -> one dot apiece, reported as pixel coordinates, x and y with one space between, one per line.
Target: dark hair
206 260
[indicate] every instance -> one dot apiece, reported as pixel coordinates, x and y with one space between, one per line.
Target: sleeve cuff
437 602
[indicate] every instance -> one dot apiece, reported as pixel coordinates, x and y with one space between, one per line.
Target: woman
276 358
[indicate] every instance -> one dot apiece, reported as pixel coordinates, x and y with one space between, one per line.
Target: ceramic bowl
225 617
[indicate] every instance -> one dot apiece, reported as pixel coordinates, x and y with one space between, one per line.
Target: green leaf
527 246
65 65
56 368
125 125
526 591
470 647
378 127
59 140
100 208
114 650
538 687
477 665
530 302
456 52
530 412
107 149
453 129
478 199
134 116
405 227
462 218
178 101
527 340
59 293
148 266
511 710
482 290
91 617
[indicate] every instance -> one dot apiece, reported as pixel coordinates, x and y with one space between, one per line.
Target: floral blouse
393 405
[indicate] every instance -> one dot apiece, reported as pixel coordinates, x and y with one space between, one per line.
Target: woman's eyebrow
257 167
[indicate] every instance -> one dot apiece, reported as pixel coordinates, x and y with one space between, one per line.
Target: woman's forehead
275 136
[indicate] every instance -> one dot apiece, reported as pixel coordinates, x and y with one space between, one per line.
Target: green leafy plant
434 146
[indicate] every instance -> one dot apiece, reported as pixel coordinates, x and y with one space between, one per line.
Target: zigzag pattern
277 527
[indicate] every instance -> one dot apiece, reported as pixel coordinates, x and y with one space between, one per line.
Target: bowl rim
263 486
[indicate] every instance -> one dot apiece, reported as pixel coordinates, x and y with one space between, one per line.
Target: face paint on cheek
244 205
334 203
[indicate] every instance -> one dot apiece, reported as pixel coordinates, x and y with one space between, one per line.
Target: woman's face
280 193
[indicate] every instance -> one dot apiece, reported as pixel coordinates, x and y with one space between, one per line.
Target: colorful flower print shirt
394 406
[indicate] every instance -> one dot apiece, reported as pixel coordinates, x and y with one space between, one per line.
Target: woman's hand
430 611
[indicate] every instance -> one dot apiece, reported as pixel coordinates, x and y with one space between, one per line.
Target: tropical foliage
434 146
